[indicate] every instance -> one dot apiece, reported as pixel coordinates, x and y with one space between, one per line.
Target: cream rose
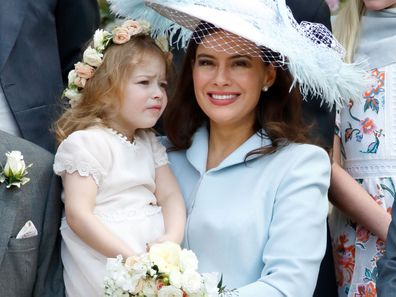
166 256
84 70
92 57
121 35
80 82
133 27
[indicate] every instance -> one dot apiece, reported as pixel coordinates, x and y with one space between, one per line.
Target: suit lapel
9 199
12 14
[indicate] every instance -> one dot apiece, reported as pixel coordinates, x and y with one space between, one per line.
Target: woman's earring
265 89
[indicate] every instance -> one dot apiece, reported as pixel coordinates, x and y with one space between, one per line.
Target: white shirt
7 121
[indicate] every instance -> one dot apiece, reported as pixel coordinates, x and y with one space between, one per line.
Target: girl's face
145 96
228 86
379 4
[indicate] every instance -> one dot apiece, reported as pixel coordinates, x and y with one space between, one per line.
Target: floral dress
368 135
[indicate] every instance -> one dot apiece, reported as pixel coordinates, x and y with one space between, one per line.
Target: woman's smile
223 98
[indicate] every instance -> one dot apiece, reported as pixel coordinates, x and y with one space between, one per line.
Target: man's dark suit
30 267
37 40
323 121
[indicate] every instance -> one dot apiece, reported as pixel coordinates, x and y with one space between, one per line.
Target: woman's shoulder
302 152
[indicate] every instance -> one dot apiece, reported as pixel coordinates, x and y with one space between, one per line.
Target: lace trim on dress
370 168
83 168
129 214
124 139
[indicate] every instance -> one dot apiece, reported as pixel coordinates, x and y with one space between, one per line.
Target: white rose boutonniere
15 170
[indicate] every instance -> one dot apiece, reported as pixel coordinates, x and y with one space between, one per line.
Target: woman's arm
171 200
80 197
297 232
353 200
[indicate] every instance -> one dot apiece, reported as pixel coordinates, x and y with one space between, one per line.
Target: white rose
188 260
192 282
170 291
71 78
100 38
73 95
211 281
166 256
175 278
15 166
92 57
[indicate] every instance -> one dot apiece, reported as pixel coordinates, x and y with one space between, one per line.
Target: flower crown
93 56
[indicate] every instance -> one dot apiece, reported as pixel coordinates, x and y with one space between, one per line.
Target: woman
256 194
364 192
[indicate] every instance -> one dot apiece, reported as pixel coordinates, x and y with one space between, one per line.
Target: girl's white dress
125 202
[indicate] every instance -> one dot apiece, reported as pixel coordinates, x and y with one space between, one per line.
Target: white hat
308 50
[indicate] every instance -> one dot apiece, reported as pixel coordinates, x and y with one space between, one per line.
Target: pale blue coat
261 223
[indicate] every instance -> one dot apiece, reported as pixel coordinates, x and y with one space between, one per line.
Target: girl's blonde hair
103 93
347 27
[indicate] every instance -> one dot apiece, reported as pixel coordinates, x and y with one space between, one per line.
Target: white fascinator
268 30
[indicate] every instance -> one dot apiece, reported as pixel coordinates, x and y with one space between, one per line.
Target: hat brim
190 15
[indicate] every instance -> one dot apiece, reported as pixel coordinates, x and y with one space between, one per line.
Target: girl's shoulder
94 139
95 134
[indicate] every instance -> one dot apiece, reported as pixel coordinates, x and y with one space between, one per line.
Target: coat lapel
12 14
9 199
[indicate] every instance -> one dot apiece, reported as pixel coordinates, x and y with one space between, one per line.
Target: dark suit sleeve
76 21
49 279
386 283
322 15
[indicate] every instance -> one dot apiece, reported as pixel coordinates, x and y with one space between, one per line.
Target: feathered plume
136 9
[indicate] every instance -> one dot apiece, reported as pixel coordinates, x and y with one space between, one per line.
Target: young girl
366 189
119 192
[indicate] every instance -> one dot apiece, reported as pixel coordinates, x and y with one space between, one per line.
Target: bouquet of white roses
165 271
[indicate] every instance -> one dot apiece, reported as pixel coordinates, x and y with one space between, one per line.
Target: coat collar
198 152
12 15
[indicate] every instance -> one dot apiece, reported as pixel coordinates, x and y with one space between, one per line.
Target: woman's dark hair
278 112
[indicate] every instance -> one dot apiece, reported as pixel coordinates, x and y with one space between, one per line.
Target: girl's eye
204 62
143 82
164 85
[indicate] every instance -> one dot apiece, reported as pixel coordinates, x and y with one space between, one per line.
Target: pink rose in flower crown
84 70
133 27
121 35
80 82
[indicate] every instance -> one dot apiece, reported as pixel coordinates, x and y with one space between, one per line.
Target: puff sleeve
86 152
159 151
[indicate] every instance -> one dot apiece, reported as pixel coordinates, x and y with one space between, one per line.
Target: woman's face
228 86
379 4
